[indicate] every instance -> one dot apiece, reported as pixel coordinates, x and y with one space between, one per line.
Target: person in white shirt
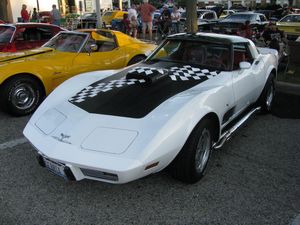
132 12
175 19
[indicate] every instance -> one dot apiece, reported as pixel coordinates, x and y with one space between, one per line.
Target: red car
1 21
23 36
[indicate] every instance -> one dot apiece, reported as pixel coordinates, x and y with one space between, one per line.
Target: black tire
190 164
136 59
21 95
266 98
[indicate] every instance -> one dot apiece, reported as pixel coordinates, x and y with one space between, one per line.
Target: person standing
24 14
146 10
35 15
175 19
55 16
132 12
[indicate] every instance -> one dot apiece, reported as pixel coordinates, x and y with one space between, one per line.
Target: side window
208 16
262 18
241 53
287 19
45 32
31 34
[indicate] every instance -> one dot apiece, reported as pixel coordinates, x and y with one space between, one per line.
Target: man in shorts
146 10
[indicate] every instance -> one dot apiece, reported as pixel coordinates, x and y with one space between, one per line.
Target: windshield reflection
67 42
203 54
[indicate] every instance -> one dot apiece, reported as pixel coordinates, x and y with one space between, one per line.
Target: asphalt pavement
253 179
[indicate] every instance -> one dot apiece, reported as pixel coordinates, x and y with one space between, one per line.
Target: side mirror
93 47
245 65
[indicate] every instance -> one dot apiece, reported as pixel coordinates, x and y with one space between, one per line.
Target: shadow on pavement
286 105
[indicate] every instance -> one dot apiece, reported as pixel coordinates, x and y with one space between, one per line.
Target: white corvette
185 99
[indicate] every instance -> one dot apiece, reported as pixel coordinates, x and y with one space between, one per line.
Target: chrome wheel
269 97
203 150
23 96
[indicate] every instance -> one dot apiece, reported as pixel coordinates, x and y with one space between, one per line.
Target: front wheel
20 95
190 164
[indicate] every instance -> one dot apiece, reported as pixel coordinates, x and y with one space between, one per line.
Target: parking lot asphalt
287 101
253 179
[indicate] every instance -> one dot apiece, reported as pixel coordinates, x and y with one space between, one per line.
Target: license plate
55 168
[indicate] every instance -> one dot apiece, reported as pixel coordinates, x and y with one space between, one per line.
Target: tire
21 95
265 101
136 59
190 164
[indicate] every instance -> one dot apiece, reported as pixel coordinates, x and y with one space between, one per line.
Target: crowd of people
26 16
166 22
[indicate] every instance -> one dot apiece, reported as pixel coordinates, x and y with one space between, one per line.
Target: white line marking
296 221
13 143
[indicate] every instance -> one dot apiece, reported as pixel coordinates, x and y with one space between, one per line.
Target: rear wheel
190 164
267 96
136 59
20 95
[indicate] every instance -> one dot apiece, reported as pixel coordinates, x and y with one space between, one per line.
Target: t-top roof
210 37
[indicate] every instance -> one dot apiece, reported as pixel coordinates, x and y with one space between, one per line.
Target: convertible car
25 36
26 77
170 110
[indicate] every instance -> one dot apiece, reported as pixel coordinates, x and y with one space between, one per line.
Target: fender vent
99 174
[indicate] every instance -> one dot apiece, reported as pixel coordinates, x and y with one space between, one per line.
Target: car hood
135 92
6 57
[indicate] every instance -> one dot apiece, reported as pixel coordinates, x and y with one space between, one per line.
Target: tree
191 16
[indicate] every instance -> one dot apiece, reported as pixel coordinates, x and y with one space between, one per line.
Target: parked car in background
88 20
24 36
185 99
27 77
204 16
290 24
1 22
110 15
45 16
226 13
232 24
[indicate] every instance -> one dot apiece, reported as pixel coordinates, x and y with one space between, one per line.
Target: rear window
6 33
240 17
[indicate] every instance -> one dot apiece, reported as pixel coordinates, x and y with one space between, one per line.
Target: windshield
6 33
199 13
204 54
89 15
291 18
67 42
240 17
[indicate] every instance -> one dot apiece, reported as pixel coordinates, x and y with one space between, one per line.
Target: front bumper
81 164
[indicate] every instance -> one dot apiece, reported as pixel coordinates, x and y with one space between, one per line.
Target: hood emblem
62 138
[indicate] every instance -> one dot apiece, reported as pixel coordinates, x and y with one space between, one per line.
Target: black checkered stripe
184 73
147 71
93 90
187 72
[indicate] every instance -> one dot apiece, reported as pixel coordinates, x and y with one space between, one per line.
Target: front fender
69 88
172 136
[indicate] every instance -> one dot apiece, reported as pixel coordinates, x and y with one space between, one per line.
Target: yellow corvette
290 24
27 77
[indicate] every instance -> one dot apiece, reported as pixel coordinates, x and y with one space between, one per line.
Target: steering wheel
215 63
